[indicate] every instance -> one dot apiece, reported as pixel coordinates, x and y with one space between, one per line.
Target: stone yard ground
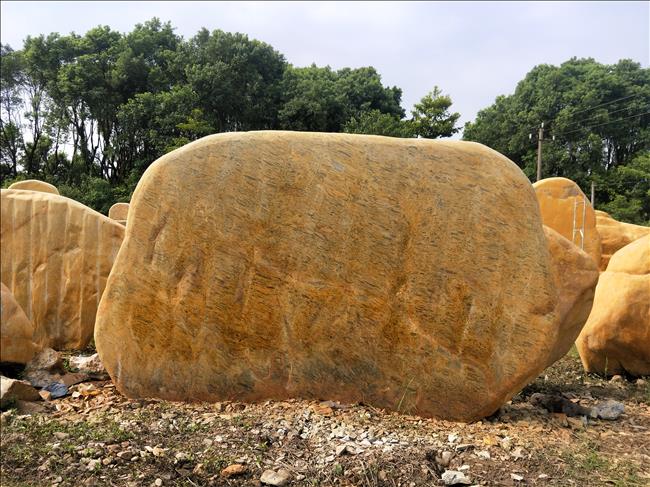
97 437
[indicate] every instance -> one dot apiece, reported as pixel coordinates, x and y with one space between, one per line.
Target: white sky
473 51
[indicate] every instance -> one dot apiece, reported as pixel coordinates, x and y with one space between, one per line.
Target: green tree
431 117
11 107
596 120
237 80
376 123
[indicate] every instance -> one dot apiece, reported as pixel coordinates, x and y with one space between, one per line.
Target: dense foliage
596 128
90 113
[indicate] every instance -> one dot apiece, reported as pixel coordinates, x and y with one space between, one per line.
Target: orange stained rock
575 275
408 274
16 331
615 235
35 185
56 257
559 200
616 338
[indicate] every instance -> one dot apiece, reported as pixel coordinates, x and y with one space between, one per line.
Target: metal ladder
580 231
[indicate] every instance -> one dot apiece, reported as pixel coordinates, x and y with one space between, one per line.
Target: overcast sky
473 51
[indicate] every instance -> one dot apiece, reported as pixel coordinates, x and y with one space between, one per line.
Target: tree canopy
89 113
596 128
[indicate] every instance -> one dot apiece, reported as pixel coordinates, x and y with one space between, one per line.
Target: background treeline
90 113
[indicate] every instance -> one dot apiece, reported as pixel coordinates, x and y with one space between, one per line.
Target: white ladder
580 231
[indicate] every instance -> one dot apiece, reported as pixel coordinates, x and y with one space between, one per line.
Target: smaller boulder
575 275
47 359
616 338
615 235
88 365
13 390
35 185
119 211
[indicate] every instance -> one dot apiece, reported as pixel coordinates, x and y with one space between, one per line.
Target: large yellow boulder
408 274
616 338
56 257
35 185
16 331
566 209
575 275
615 235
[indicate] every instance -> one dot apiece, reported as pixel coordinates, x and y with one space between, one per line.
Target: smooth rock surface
16 331
616 337
35 185
557 202
407 274
615 235
56 257
119 211
575 274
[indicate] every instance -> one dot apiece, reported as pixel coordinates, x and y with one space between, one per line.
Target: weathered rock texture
557 201
16 331
56 257
35 185
119 211
408 274
575 275
615 235
616 338
12 390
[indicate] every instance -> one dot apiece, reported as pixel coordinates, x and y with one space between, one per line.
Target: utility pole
540 137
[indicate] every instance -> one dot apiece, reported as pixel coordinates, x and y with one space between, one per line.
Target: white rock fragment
454 477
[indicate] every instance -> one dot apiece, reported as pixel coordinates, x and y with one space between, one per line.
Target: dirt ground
97 437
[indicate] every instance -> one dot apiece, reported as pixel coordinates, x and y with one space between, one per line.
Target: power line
598 116
606 103
596 106
601 124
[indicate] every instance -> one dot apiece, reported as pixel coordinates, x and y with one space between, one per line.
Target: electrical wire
598 116
597 106
606 103
601 124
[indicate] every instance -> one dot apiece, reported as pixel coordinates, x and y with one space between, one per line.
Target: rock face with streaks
16 331
615 235
35 185
119 211
56 257
616 338
575 275
561 203
390 271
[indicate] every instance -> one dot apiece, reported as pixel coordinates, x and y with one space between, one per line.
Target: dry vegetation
101 438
